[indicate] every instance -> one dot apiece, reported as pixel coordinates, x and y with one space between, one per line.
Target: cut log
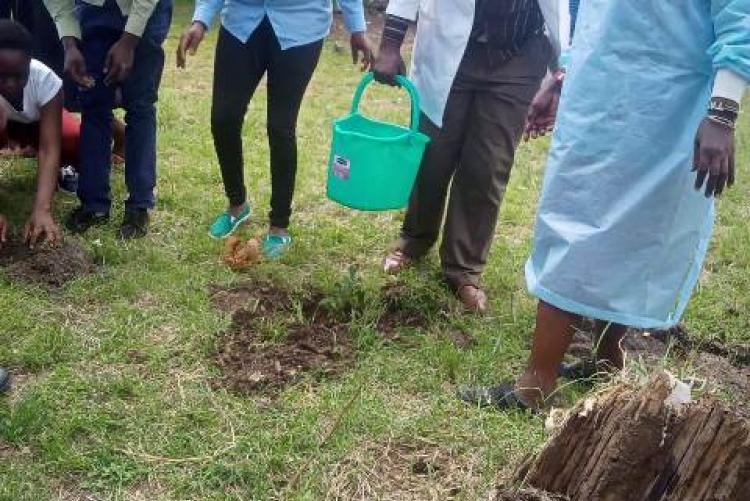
629 445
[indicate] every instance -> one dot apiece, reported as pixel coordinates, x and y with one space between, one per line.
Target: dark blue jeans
101 27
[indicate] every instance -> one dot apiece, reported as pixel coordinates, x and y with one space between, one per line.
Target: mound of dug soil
313 344
49 267
632 444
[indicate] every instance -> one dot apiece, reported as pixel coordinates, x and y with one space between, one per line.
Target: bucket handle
403 82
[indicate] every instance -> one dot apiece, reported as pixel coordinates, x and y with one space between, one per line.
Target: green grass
88 420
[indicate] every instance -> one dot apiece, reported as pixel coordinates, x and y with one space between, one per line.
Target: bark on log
629 445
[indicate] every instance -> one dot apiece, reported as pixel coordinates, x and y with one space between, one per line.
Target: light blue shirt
295 22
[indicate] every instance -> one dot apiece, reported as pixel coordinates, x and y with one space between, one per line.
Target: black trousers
238 69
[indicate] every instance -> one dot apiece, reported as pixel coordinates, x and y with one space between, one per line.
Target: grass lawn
116 394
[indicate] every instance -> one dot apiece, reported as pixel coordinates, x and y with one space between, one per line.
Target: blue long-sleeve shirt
295 22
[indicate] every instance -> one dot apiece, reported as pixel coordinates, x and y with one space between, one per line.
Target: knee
225 121
281 131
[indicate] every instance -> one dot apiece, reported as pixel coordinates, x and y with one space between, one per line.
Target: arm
354 15
354 20
69 30
63 13
50 126
390 63
405 9
714 142
206 11
121 55
140 13
543 109
203 17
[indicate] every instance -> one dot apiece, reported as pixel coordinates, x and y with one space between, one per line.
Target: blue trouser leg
96 125
102 27
139 94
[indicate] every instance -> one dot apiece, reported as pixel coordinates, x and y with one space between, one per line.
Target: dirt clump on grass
405 472
251 364
313 342
49 267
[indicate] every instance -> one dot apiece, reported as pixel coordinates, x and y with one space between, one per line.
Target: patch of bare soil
404 472
637 442
316 345
48 267
400 311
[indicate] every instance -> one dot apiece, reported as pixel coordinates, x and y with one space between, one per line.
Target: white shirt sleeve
405 9
48 85
729 85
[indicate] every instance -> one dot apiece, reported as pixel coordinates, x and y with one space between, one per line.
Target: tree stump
629 445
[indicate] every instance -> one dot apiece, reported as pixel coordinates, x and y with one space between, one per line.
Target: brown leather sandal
395 262
473 298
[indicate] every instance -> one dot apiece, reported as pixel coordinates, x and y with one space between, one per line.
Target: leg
139 94
289 73
495 126
96 132
609 352
427 203
552 336
238 69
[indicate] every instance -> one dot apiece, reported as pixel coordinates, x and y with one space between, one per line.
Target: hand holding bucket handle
404 83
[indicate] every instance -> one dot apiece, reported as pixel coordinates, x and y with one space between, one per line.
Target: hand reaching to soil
41 224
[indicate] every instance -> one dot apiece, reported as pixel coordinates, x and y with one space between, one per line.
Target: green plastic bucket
373 164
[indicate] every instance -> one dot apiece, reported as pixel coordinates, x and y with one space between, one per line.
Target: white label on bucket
341 167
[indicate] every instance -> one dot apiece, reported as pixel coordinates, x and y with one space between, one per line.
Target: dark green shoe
4 380
275 246
226 224
501 397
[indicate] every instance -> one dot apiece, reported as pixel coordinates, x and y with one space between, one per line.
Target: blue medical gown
621 234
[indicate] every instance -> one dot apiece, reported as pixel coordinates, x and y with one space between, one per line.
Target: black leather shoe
134 224
79 220
4 380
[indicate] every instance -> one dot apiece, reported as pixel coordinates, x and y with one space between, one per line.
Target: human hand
713 157
543 109
119 61
189 42
41 223
389 63
361 45
75 64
